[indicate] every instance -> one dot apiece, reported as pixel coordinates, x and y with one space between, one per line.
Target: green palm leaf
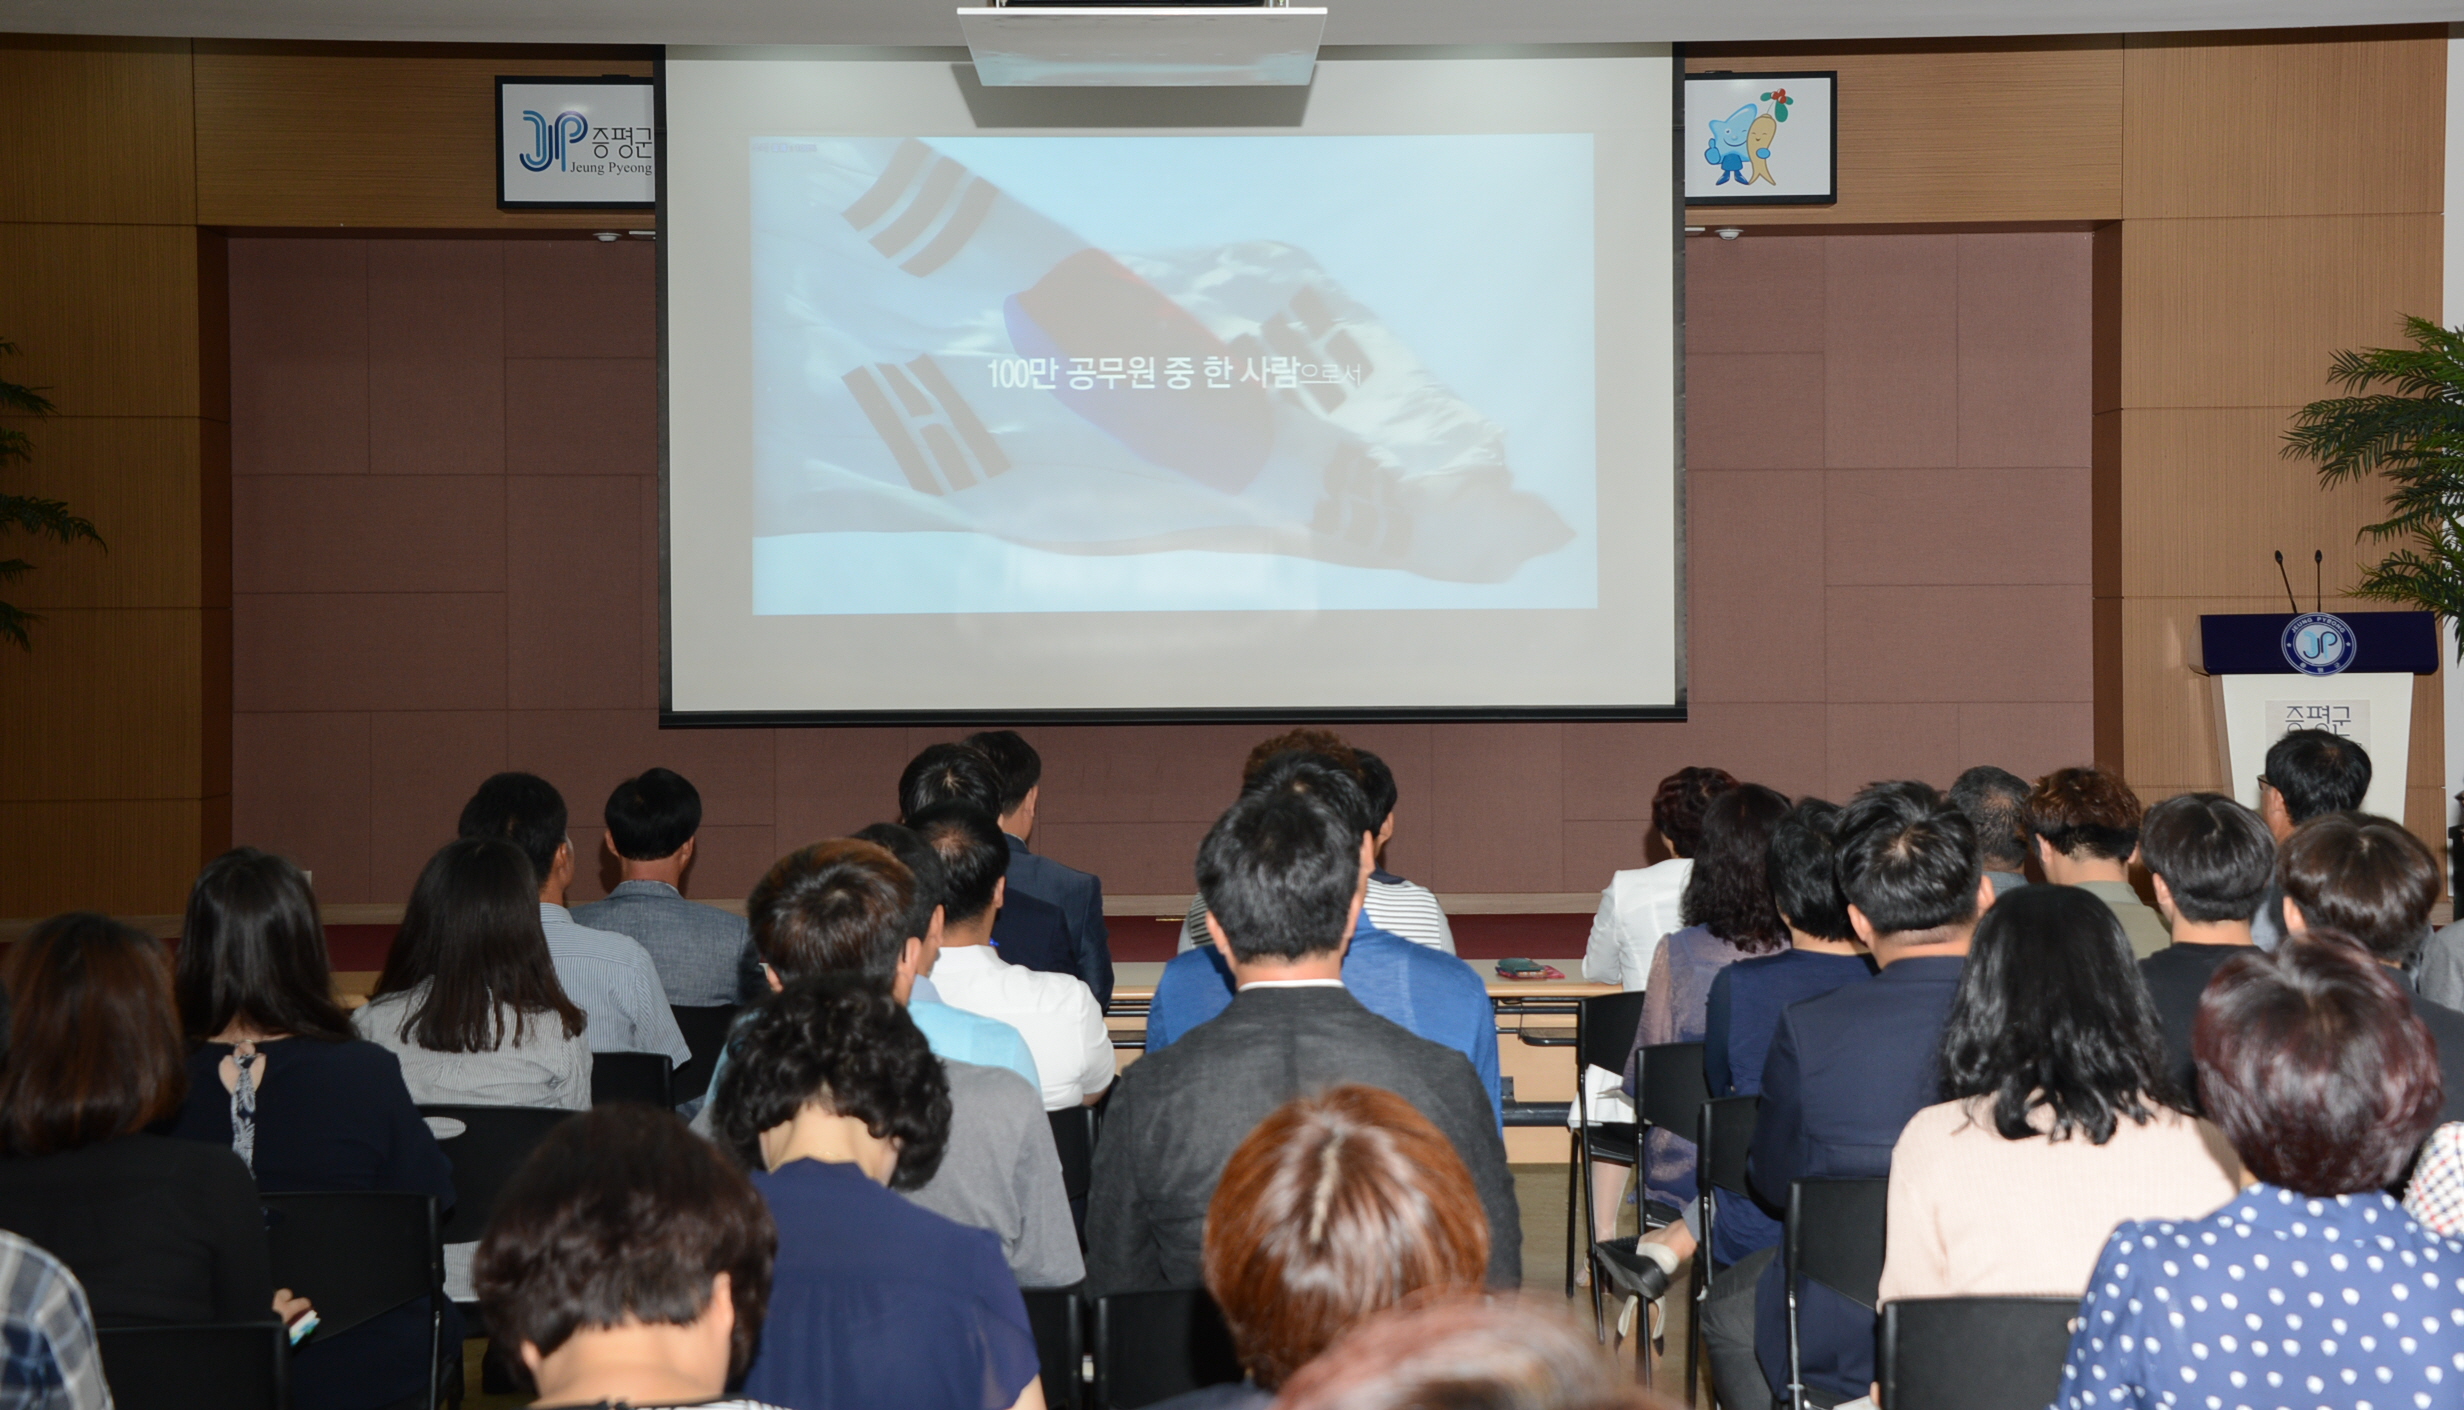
29 514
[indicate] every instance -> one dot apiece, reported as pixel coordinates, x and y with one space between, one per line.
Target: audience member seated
2435 1194
1847 1070
957 1035
1336 1207
2058 1120
704 956
628 1264
1468 1354
1432 995
1329 747
2369 879
876 1302
2311 773
1282 874
1748 997
1396 906
1641 906
52 1361
468 1001
850 907
158 1231
1030 932
609 976
1078 894
1060 1021
278 1078
2213 863
1729 915
2086 822
2311 1286
1995 802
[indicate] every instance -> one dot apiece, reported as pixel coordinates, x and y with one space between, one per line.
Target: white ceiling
1351 21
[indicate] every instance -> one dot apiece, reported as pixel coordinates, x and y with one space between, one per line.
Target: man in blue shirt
1428 992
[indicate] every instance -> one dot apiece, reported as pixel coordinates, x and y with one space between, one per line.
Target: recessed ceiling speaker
1034 45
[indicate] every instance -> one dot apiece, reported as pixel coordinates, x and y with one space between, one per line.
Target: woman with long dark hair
159 1231
468 999
277 1078
2058 1122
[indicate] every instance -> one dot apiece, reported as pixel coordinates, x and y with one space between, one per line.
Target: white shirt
1637 910
1062 1023
1408 909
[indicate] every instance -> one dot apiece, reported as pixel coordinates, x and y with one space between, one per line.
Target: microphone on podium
2289 600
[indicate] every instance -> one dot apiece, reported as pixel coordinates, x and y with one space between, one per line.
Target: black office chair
648 1078
1603 1034
1059 1322
1835 1232
493 1143
1930 1346
225 1366
1073 1136
1151 1346
357 1255
1669 1092
1723 1135
705 1032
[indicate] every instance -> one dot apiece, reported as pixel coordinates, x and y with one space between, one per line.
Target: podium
2347 673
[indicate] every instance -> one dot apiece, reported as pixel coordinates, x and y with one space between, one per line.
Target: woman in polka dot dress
2312 1287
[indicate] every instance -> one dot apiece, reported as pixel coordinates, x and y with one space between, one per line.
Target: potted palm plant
2403 423
25 513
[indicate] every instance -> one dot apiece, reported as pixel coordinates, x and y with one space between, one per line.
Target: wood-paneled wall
115 731
2262 200
2250 251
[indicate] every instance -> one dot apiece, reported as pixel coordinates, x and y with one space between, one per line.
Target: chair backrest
355 1254
229 1366
1670 1088
1058 1320
1724 1133
1073 1135
1150 1346
648 1078
705 1032
1930 1349
493 1143
1604 1029
1835 1230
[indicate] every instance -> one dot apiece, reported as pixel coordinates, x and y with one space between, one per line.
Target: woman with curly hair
2060 1119
831 1096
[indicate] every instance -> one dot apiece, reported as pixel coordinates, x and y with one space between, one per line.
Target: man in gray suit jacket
1283 875
704 955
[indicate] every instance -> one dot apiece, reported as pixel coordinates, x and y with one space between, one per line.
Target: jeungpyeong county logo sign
576 143
2319 643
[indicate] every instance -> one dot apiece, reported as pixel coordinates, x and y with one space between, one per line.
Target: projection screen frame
671 718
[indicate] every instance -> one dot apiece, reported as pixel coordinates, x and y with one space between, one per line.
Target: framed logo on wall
576 144
1761 139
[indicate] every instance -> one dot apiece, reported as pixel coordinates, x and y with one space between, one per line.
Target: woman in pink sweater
2059 1124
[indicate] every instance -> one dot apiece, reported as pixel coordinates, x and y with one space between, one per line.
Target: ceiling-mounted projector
1030 43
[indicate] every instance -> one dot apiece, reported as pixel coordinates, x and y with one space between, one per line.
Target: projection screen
1357 400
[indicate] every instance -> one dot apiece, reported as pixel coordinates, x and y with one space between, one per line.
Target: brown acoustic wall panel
1936 131
100 131
2285 122
371 135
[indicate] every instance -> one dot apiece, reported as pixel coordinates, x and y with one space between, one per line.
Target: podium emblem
2319 643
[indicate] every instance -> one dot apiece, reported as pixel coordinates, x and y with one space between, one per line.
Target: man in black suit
1845 1073
1283 874
2371 881
1029 933
1080 895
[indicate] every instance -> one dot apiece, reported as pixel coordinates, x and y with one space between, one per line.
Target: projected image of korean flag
1173 373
